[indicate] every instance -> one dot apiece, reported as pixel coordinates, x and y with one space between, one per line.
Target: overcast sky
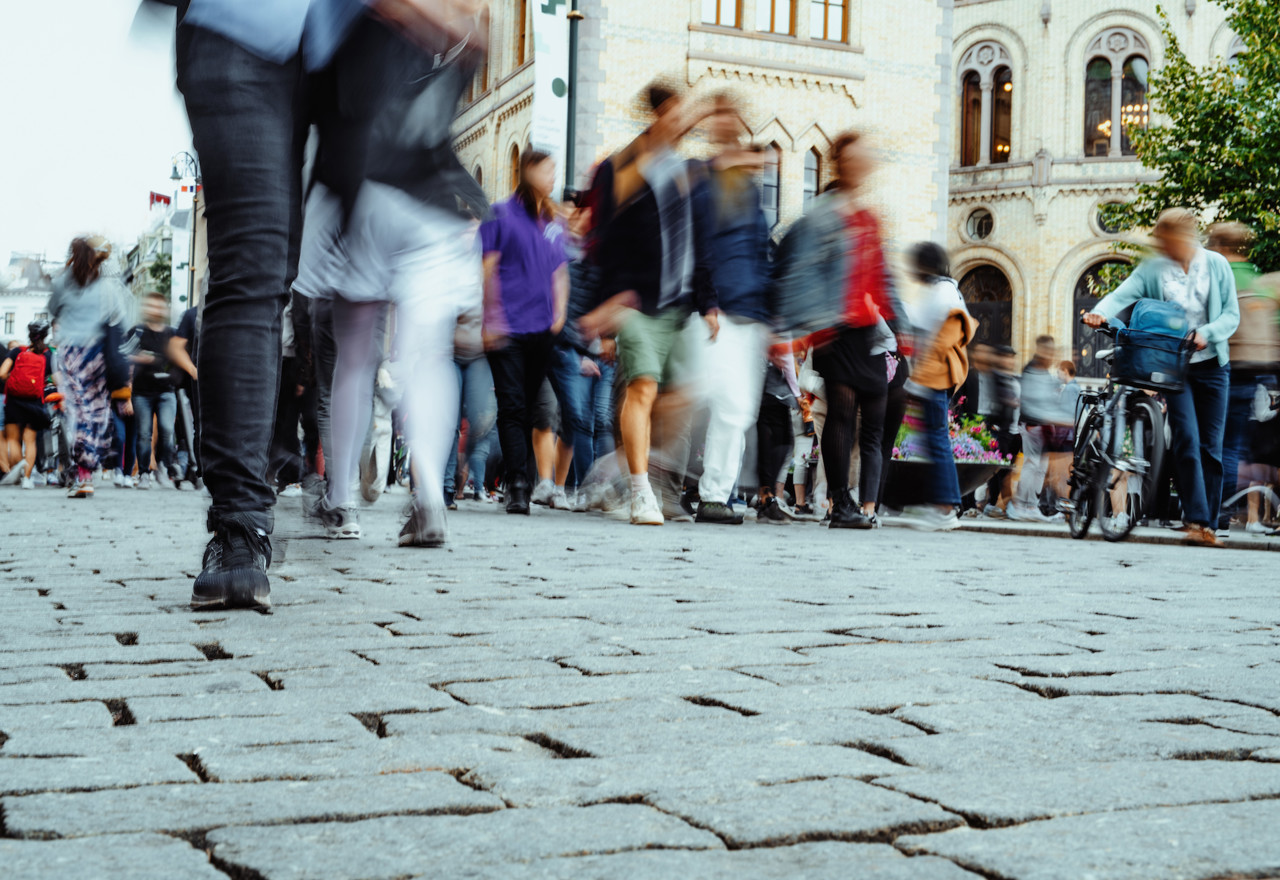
91 121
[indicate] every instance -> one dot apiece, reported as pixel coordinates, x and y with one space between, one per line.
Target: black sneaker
690 504
235 570
845 514
771 512
715 512
854 520
805 511
427 527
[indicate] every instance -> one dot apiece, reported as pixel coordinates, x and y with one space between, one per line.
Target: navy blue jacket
737 247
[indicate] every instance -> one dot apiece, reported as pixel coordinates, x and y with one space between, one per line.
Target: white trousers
734 381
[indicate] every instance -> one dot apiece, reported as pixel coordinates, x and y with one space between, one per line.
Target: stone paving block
1189 843
212 682
1000 795
778 815
26 674
54 716
183 808
110 651
21 775
566 691
444 846
136 856
300 703
807 861
708 771
378 756
879 695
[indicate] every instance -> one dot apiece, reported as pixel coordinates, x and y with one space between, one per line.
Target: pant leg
451 466
286 452
514 409
481 408
359 353
324 354
944 481
871 410
144 411
895 410
166 413
603 407
1035 465
1235 438
733 404
1211 385
773 432
248 126
1188 466
573 391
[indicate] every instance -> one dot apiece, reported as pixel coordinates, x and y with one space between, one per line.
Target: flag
192 189
158 199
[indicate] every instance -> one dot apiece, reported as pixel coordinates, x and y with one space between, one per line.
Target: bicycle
1119 449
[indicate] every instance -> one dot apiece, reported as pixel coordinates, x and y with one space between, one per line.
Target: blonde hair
1235 238
1177 221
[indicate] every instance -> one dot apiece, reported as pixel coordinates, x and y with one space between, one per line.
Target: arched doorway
1085 342
989 296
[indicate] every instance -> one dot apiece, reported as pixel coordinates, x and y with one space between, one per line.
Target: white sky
91 121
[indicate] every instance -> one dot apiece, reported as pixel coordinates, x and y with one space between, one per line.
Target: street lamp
190 169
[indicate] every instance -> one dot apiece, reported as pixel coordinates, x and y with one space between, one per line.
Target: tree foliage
1217 144
161 272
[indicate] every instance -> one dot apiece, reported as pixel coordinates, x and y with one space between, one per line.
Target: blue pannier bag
1154 351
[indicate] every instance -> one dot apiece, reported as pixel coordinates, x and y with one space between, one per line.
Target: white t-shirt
1190 289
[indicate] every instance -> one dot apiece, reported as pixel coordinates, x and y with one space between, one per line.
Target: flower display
971 439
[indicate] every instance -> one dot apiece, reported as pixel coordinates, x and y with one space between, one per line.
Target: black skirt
847 360
25 412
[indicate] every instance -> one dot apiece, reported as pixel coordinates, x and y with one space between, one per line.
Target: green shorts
652 346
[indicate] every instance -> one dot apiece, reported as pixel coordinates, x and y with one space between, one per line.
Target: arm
1132 289
1221 328
178 356
704 288
6 368
493 336
560 292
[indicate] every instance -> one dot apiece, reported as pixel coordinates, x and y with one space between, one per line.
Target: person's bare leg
634 422
9 451
544 452
29 445
564 461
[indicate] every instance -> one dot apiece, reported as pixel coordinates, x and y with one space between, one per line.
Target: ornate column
984 148
1117 85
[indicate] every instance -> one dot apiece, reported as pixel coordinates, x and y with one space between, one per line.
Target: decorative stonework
984 59
1117 45
794 83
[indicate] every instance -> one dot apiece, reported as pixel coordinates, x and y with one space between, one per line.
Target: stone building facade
804 70
1044 95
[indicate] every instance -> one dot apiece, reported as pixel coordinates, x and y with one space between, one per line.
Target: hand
609 351
713 323
426 20
126 408
143 358
906 343
606 318
590 368
494 341
558 325
1093 319
299 390
1199 341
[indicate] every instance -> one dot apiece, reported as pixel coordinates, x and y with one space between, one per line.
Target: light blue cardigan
1223 307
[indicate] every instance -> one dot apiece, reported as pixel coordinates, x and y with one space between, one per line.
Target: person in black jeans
153 394
254 77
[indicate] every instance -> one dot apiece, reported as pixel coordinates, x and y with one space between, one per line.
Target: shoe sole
344 533
414 541
228 593
647 522
719 522
856 527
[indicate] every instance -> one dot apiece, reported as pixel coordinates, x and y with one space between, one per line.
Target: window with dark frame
771 189
812 176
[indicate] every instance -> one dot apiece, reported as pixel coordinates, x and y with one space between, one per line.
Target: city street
565 696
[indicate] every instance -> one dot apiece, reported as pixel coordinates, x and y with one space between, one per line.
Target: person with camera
1201 283
153 396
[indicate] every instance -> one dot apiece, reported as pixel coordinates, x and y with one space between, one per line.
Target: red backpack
26 378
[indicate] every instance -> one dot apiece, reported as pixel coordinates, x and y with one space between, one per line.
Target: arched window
812 176
828 21
771 189
1002 116
986 112
1086 341
1117 66
775 16
971 124
515 167
478 174
989 297
726 13
523 50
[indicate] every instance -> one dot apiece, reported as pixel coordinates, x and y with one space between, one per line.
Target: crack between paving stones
875 749
274 683
196 766
973 820
366 658
373 722
718 704
1030 673
74 671
214 651
120 714
560 749
928 731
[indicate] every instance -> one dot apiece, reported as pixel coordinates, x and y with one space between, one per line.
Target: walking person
1044 419
834 257
1200 281
943 331
526 295
25 373
738 248
85 304
153 398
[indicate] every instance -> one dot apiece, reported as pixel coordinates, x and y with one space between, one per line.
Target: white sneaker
162 479
1120 521
13 477
1256 528
543 493
293 490
27 483
559 500
645 509
52 480
144 481
1018 513
127 482
340 523
926 518
117 478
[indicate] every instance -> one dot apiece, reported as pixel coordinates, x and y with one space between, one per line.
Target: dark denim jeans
1197 419
164 407
519 369
249 126
1235 437
125 444
936 440
601 413
480 408
573 391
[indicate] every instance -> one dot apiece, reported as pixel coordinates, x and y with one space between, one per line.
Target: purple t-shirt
531 251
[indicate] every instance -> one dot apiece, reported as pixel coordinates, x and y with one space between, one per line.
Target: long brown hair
85 259
539 207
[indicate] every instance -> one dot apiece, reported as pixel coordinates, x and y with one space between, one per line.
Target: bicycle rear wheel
1125 494
1083 468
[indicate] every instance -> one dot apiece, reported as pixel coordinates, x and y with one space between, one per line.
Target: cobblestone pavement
570 697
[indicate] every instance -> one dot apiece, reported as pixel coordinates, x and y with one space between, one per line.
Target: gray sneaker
340 523
427 527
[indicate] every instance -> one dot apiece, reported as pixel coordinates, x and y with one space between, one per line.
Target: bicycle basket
1152 361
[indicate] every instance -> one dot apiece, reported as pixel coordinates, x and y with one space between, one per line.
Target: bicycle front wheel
1083 470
